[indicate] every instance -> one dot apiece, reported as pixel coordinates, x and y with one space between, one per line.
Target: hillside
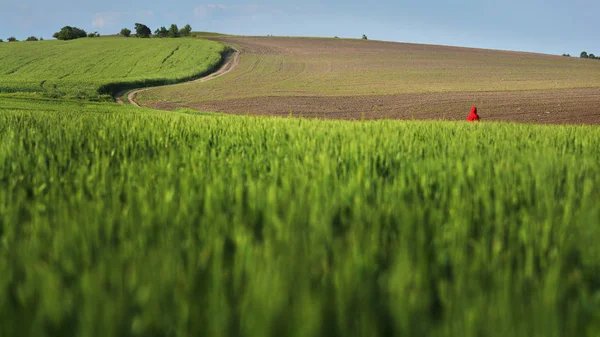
353 79
88 68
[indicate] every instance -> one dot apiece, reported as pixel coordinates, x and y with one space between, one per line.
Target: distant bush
32 38
69 33
173 31
161 32
125 32
94 34
185 31
12 39
142 31
41 39
585 55
566 55
364 37
1 40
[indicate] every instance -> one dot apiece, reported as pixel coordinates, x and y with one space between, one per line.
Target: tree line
31 38
141 31
585 55
72 33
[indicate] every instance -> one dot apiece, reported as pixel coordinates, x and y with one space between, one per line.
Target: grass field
89 68
339 78
117 221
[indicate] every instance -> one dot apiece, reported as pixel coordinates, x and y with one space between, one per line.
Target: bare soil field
354 79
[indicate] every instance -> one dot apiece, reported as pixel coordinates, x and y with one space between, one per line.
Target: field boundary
229 62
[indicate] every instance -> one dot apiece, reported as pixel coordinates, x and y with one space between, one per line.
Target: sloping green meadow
117 221
91 68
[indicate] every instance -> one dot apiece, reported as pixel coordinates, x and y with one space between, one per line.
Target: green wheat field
96 68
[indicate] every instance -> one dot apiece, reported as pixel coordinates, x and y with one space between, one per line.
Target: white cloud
204 10
105 19
99 22
111 19
207 10
200 11
219 6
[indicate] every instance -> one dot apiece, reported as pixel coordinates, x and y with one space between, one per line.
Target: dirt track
229 64
555 106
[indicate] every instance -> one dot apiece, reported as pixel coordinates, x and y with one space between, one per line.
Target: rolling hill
355 79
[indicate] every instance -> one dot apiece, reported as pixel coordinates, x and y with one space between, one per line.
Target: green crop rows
92 68
117 221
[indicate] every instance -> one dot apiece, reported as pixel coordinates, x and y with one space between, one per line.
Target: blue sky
547 26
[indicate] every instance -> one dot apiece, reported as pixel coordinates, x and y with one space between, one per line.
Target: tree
161 32
566 55
364 37
1 40
173 31
584 55
41 39
12 39
142 31
125 32
32 38
94 34
592 56
186 30
69 33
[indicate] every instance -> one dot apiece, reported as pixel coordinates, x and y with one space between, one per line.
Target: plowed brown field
354 79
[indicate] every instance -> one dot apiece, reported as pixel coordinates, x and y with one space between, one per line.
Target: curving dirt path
232 60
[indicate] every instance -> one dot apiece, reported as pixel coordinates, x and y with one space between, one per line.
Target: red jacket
473 117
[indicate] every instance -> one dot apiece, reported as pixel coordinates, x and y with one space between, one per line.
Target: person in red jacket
473 117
